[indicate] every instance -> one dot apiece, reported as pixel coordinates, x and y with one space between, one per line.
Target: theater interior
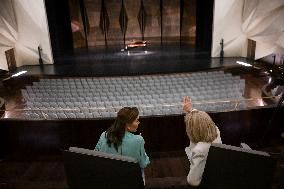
68 66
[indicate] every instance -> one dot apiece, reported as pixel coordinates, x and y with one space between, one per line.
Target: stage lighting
244 64
19 73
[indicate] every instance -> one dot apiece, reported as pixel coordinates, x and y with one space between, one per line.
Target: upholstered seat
237 168
89 169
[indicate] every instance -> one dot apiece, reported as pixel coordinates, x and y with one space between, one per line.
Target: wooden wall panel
132 8
153 21
251 49
189 22
170 23
96 36
11 61
171 20
114 36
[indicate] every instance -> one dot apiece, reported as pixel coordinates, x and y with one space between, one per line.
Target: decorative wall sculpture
24 27
239 20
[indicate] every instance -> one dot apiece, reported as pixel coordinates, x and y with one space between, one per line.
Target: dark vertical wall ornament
104 20
142 18
181 2
123 20
85 21
161 16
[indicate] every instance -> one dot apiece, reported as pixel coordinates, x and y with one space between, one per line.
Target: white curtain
236 21
23 26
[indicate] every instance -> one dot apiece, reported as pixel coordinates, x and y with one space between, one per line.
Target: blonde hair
200 127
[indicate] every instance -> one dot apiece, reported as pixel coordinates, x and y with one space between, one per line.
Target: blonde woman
201 131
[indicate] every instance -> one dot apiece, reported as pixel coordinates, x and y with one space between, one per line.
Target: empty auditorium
142 94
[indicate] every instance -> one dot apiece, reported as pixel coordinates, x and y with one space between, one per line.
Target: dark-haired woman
119 139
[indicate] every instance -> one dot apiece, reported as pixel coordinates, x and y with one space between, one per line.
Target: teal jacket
132 146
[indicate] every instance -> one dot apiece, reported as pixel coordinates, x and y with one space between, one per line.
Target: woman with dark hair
119 139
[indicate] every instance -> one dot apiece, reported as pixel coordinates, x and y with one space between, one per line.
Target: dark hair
116 131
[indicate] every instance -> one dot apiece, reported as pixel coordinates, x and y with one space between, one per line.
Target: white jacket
197 155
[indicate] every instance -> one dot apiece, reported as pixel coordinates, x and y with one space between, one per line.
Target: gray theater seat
89 169
230 167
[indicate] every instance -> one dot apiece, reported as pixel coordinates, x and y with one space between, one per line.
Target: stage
112 61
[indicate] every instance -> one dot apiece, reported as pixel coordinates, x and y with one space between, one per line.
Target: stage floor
112 61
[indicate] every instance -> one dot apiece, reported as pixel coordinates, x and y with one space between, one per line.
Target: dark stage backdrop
59 27
112 22
204 24
89 23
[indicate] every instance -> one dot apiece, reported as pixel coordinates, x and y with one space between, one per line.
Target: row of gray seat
168 109
50 95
